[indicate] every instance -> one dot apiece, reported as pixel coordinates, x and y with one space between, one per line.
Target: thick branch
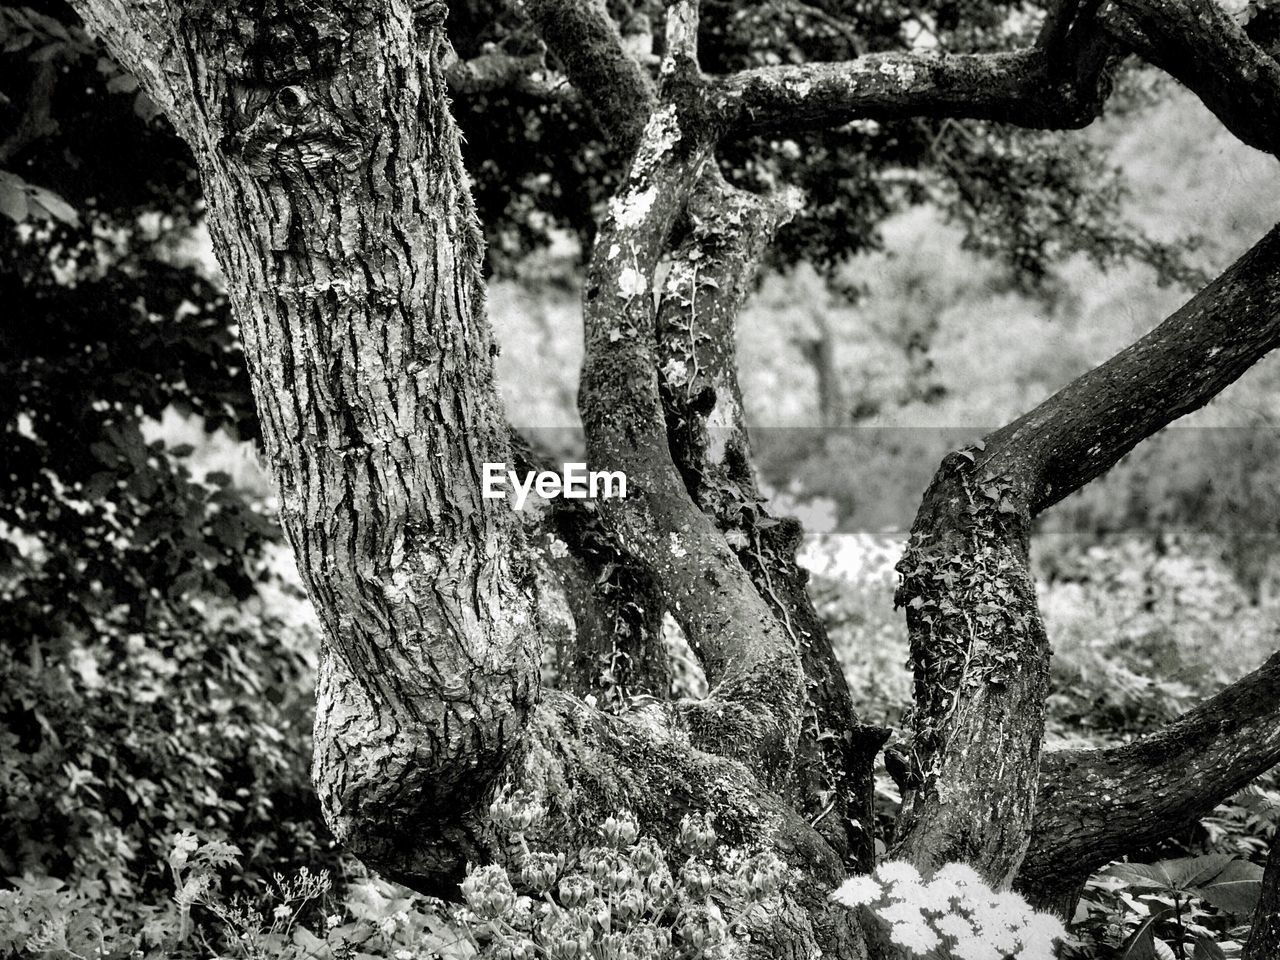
1199 43
747 656
333 174
1098 805
1020 87
616 90
1084 428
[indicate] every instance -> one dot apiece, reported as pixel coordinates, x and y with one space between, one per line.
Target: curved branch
1097 805
1028 88
1083 429
754 706
1199 43
979 648
617 92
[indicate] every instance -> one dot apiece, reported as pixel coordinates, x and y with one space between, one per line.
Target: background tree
330 186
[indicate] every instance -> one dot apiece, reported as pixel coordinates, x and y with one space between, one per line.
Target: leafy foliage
1185 908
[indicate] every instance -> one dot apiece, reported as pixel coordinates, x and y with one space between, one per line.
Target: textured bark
980 658
754 673
712 272
341 217
1202 45
1027 88
1083 429
580 33
615 651
1098 805
1264 938
342 220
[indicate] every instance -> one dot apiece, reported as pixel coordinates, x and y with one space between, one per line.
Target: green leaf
1206 949
1140 944
13 198
1234 889
52 206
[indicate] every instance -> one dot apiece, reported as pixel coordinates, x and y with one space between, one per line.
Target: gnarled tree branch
1025 87
1199 43
712 272
1098 805
617 92
978 645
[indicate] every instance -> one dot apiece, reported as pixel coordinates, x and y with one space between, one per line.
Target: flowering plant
617 900
954 915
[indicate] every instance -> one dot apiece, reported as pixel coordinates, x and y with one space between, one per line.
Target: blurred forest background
158 655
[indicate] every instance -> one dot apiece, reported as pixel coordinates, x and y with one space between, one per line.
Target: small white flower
937 895
1014 904
960 874
1036 948
404 955
911 892
283 912
897 870
857 891
631 282
955 926
914 936
902 913
558 548
1043 926
332 920
971 948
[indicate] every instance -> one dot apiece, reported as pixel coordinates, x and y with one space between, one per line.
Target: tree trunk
1264 938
